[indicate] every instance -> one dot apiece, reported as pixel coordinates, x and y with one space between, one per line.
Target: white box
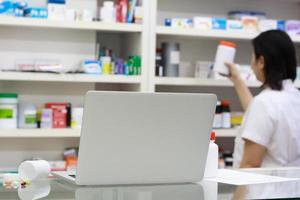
267 24
203 23
56 11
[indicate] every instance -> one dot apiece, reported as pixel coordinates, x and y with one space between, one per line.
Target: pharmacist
270 133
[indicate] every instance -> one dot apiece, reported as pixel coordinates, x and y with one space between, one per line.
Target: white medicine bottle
211 167
107 12
225 54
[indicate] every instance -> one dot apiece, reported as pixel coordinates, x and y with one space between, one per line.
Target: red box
59 116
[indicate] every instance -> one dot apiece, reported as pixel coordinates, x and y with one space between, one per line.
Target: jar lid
229 44
108 4
9 95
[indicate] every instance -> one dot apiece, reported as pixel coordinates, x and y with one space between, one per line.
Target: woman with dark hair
270 133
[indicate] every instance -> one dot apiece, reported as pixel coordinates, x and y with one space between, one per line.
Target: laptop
143 138
149 192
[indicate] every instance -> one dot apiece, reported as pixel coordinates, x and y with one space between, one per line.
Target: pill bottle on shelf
107 12
8 111
226 115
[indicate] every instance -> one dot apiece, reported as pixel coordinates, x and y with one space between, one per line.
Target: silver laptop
143 138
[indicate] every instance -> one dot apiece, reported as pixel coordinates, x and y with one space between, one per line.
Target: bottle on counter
212 161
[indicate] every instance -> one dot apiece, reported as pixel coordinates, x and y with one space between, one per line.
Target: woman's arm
253 155
240 86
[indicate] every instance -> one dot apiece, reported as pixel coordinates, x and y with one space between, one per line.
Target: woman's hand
234 74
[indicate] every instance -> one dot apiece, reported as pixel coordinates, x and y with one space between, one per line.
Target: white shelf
221 133
79 25
179 81
81 78
75 133
214 34
40 133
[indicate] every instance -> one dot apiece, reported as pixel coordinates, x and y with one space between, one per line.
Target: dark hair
279 53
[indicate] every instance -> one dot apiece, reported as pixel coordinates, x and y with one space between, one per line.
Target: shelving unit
170 81
198 82
77 25
75 133
73 41
210 34
226 133
78 78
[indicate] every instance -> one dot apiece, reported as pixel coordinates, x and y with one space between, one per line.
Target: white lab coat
273 121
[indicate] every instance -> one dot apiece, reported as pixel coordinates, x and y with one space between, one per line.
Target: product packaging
27 116
182 23
203 69
218 116
106 65
292 27
92 67
41 13
87 15
171 58
61 114
226 115
46 118
267 24
6 8
25 65
235 25
138 15
48 65
108 12
281 25
121 11
186 69
56 11
131 9
8 111
77 115
219 24
202 23
70 15
250 23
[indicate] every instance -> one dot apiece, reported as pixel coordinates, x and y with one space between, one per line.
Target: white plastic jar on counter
225 54
8 111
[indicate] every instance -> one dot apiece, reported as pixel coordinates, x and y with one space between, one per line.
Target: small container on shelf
8 110
28 116
226 115
218 116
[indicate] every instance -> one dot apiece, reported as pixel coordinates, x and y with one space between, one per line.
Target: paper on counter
234 177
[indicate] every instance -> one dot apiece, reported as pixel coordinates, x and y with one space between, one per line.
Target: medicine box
219 24
202 23
61 114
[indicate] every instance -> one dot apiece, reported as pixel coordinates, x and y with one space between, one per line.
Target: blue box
6 8
281 25
57 1
41 13
219 24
